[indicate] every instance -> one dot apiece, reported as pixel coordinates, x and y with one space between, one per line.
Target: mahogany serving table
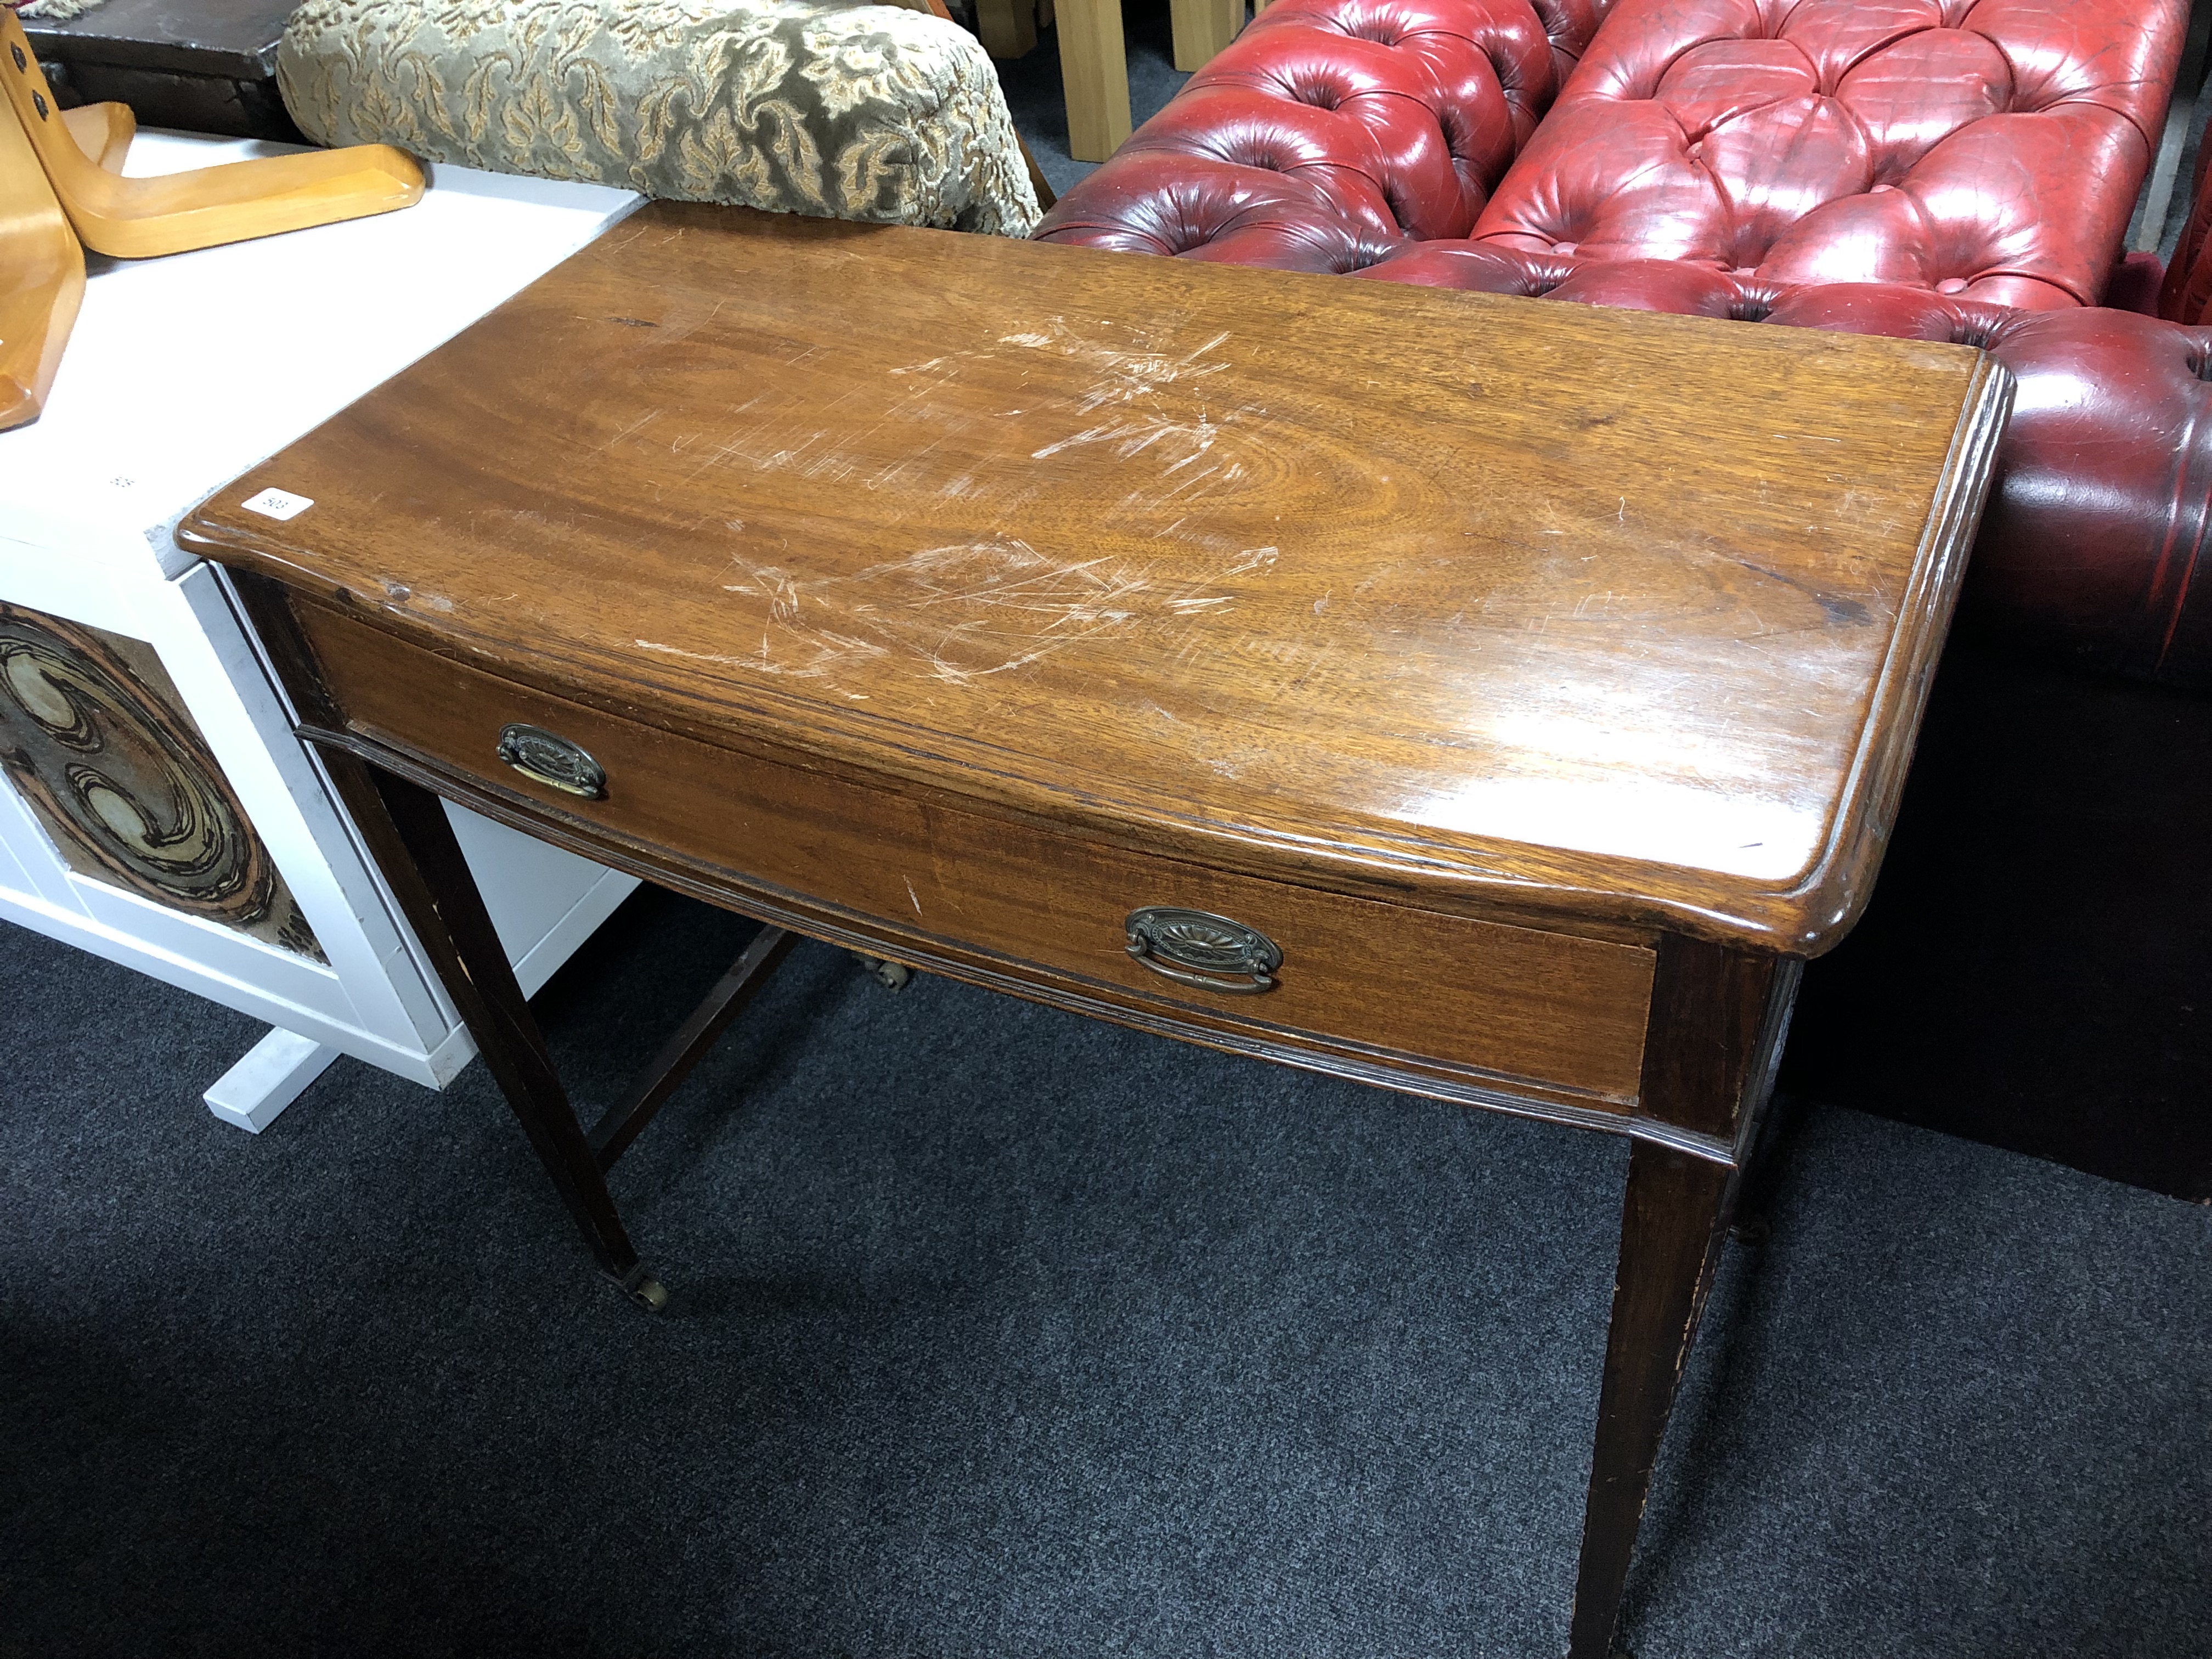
1484 698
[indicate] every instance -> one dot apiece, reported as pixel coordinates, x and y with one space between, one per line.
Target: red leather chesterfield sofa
1917 167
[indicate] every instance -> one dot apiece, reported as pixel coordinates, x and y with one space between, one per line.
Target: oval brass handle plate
1194 947
549 758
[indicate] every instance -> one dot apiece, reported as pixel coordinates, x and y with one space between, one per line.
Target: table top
181 371
1484 603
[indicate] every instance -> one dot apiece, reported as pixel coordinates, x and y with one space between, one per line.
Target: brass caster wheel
892 975
649 1294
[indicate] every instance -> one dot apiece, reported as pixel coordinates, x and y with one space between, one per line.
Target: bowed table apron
1489 699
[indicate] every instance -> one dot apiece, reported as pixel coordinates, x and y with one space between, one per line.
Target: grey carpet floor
1001 1333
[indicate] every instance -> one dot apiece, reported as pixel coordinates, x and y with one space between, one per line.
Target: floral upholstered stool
872 113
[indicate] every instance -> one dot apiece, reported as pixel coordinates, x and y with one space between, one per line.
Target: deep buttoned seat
1990 150
1332 131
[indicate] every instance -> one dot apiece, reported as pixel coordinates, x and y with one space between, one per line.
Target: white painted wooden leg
268 1079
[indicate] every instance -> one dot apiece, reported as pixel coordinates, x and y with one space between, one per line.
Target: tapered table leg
1719 1019
1670 1231
413 843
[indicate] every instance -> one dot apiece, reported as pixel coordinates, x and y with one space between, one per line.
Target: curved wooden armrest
103 132
45 278
138 218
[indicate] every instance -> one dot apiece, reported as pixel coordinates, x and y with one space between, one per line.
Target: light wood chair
41 255
45 282
62 190
139 218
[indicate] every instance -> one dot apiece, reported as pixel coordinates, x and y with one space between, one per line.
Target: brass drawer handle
549 758
1195 948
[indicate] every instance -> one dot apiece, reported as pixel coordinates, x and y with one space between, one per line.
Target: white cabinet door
155 808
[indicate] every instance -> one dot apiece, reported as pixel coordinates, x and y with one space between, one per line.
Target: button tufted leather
2094 543
1202 208
1331 131
1989 149
1986 149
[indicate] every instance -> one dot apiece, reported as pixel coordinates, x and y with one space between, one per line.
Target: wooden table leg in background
1203 28
412 842
1094 68
1007 27
1718 1017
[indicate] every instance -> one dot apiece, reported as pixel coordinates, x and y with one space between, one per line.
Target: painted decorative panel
99 745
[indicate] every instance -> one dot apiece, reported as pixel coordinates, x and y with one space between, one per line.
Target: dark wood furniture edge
89 37
1718 1020
1573 893
1844 876
1743 999
1805 915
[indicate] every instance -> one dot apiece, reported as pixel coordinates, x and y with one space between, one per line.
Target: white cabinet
155 808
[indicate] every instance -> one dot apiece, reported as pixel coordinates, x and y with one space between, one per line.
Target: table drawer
1514 1004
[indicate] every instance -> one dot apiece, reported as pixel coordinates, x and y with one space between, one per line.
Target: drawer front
1513 1004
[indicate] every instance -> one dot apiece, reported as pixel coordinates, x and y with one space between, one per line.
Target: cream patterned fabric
868 112
57 11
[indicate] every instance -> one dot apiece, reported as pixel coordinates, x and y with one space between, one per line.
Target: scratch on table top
964 611
633 427
1132 434
1126 373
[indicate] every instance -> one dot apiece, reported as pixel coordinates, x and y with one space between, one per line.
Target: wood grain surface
1603 619
103 132
45 281
40 252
